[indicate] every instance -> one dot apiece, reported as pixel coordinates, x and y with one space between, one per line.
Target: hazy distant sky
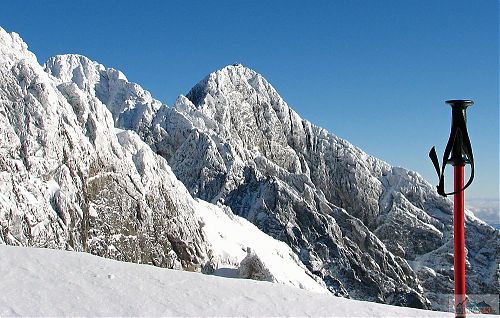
373 72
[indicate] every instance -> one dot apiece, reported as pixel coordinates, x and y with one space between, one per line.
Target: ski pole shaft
458 153
459 243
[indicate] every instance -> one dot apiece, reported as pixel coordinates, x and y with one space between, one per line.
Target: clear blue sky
373 72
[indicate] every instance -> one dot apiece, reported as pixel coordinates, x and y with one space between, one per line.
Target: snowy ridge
129 104
70 180
57 283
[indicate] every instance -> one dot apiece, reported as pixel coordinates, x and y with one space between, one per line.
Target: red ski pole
458 153
459 242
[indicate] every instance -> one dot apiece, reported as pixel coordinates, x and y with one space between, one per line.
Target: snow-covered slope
368 230
42 282
70 180
240 249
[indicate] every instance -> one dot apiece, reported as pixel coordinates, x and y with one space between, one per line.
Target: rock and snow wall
368 230
365 229
70 180
354 220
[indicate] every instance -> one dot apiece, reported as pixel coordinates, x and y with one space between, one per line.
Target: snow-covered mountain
362 228
70 180
368 230
355 221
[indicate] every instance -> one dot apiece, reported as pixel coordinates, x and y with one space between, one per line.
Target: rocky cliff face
366 229
70 180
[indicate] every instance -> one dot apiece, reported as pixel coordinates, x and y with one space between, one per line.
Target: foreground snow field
43 282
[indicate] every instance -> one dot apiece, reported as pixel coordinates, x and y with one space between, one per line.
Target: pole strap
458 138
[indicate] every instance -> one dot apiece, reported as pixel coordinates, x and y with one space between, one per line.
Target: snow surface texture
70 180
43 282
368 230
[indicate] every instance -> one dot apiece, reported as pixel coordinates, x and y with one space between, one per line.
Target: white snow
231 236
92 211
43 282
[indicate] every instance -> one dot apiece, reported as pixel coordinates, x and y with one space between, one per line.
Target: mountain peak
13 48
126 101
232 79
79 69
233 73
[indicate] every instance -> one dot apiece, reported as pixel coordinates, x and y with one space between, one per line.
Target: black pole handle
458 150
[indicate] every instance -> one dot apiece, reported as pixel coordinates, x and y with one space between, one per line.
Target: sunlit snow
43 282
